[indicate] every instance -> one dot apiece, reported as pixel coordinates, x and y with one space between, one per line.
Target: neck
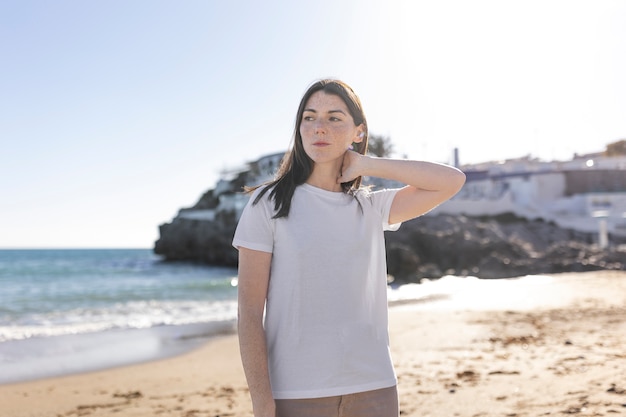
325 179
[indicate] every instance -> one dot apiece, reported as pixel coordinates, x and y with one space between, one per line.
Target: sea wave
129 315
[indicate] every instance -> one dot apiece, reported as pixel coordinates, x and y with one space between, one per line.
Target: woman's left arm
428 184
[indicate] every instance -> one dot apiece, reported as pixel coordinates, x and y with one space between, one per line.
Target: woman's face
327 128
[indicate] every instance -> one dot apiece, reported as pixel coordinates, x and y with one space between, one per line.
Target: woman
312 270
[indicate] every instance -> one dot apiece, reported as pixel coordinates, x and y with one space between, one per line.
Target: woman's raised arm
428 184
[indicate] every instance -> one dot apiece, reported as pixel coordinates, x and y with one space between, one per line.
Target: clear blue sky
114 114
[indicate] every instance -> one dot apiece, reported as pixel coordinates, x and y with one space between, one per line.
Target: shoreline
59 356
562 353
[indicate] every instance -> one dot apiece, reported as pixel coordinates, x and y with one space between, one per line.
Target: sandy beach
557 349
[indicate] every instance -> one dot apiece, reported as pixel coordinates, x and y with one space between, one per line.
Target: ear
360 134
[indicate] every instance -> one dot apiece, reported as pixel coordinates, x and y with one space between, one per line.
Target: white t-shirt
326 320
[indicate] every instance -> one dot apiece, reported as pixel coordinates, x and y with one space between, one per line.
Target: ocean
64 311
70 311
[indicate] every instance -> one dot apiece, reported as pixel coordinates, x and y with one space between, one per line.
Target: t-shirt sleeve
255 229
381 201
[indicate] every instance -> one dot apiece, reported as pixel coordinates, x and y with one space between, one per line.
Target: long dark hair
296 166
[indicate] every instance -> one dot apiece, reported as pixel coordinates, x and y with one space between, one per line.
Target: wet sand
561 350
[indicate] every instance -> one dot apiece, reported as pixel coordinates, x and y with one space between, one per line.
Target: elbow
249 317
457 181
461 178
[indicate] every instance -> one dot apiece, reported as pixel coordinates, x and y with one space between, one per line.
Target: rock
427 247
496 247
206 241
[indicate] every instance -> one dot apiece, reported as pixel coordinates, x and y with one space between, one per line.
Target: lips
320 143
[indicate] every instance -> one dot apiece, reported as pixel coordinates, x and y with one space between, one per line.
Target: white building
575 194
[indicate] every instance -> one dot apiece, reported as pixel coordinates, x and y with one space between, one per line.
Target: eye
335 119
307 118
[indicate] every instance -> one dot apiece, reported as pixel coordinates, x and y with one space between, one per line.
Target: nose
319 127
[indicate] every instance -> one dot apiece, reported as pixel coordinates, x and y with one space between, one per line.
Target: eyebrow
331 111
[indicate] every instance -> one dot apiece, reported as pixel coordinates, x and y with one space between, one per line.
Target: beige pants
377 403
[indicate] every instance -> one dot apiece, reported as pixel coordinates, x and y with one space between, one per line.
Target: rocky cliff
430 246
